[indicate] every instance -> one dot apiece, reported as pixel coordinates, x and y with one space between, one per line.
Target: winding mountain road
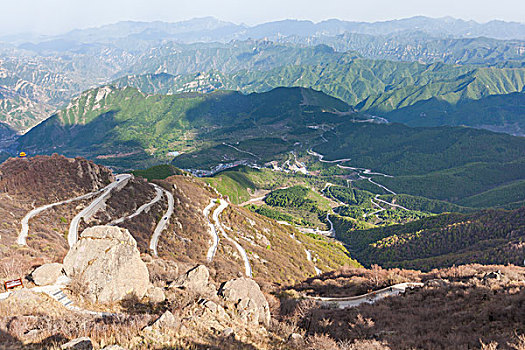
163 222
240 150
362 171
223 205
391 204
24 232
215 236
93 207
370 298
143 207
308 253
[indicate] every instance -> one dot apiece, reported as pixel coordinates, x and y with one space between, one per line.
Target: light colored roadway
22 237
366 298
162 223
94 206
223 205
143 207
240 150
213 248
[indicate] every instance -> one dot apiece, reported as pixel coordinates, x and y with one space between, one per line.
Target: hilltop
26 184
124 127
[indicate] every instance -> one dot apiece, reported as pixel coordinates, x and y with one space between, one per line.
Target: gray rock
436 283
164 323
83 343
228 332
215 308
47 274
493 275
155 294
296 339
108 261
195 280
249 301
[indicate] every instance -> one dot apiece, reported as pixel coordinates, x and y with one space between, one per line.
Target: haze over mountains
209 29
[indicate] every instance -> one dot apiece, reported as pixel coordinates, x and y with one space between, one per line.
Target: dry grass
465 311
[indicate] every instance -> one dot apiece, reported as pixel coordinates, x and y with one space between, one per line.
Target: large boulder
248 299
195 280
107 261
47 274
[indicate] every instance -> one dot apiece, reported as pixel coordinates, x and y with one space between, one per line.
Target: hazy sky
56 16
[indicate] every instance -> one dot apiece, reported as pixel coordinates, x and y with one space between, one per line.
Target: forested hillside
486 237
125 127
409 92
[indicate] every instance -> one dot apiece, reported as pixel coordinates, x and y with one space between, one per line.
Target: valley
289 185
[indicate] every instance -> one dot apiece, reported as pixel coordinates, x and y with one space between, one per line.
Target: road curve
24 232
391 204
223 205
94 206
370 298
213 248
143 207
162 223
309 258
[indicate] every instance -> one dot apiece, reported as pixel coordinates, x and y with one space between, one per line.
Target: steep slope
29 183
125 127
440 313
271 251
500 113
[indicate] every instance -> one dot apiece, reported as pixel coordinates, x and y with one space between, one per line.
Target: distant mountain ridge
412 93
212 29
41 76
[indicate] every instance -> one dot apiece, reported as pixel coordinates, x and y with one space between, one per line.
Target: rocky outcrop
83 343
195 280
495 275
248 299
165 323
108 262
47 274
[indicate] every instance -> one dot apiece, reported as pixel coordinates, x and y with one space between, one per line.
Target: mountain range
40 75
212 29
290 185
